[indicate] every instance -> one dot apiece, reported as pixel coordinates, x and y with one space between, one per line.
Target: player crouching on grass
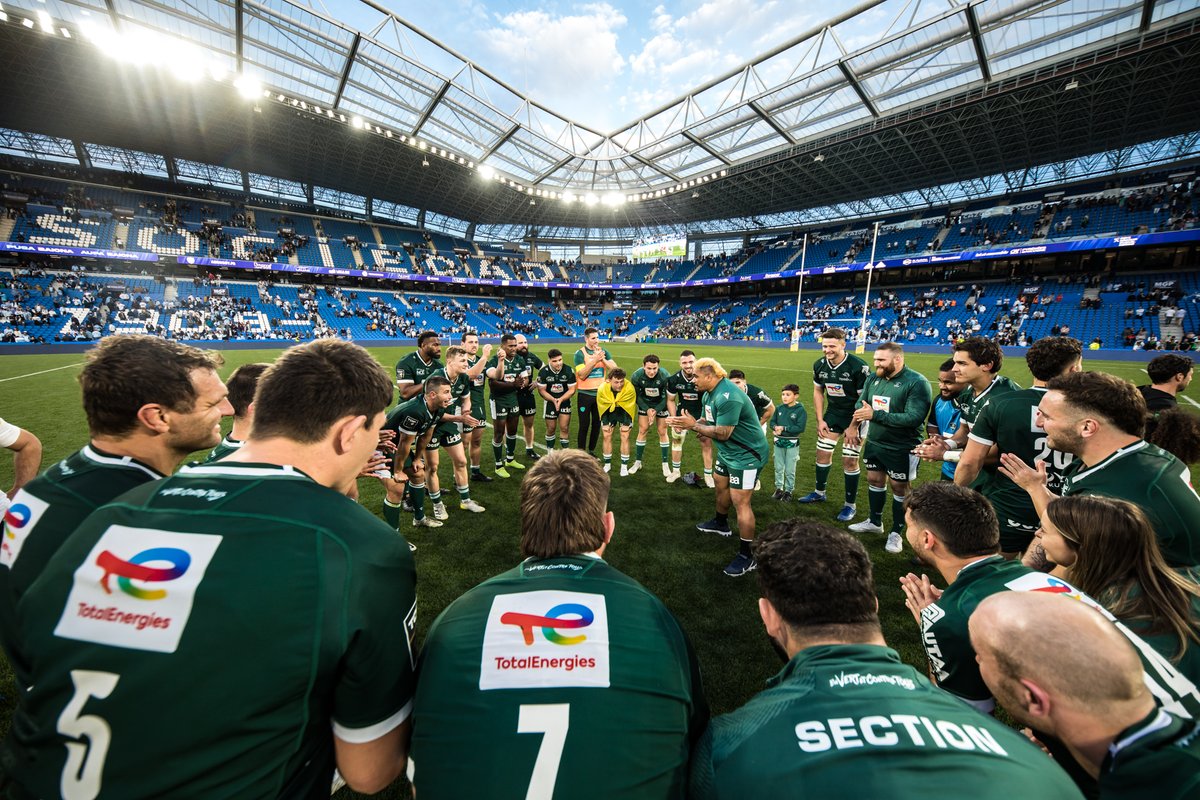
616 401
650 383
414 421
730 421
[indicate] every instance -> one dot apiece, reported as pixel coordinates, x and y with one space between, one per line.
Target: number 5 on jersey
85 756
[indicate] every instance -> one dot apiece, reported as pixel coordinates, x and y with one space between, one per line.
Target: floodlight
819 157
356 123
568 197
28 23
590 199
1072 86
424 162
45 23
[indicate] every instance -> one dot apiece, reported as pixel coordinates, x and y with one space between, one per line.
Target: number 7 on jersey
551 721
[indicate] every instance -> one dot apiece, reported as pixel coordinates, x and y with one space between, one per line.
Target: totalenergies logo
135 569
568 616
17 517
1055 586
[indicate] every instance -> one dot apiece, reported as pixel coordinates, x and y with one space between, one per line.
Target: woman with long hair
1107 549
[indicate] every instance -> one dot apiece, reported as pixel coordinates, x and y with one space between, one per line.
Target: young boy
787 423
616 401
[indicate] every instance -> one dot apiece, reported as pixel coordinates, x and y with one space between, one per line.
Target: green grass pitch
655 541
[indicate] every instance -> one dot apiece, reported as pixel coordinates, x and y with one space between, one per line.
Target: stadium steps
1169 327
122 235
378 236
358 259
294 259
6 228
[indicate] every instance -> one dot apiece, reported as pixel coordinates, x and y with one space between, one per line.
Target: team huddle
244 628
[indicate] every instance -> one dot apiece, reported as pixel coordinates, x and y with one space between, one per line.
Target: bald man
1091 695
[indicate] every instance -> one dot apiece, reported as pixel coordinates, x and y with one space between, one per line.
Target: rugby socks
744 547
418 500
708 473
665 449
851 487
640 444
878 496
498 453
564 443
607 458
675 464
435 497
722 519
511 442
624 459
550 443
897 513
391 513
464 493
823 477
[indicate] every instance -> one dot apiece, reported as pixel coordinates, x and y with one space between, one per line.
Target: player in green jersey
1032 646
651 385
241 386
730 421
470 342
527 397
255 614
414 422
954 529
414 368
149 404
764 406
561 678
683 395
787 423
895 401
591 362
845 718
1099 418
506 376
556 384
838 380
456 423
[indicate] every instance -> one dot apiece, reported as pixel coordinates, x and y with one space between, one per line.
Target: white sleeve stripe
9 434
980 439
372 732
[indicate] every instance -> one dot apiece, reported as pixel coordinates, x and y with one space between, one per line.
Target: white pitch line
42 372
1190 400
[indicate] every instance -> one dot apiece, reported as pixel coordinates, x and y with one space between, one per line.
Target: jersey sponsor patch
881 403
20 519
545 639
136 587
835 390
651 391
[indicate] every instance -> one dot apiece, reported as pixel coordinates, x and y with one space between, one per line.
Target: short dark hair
736 373
961 518
125 372
1162 368
589 331
466 335
819 579
425 336
553 353
982 351
1052 356
616 373
313 385
241 386
891 347
435 382
791 387
686 353
1178 432
947 365
564 498
1115 399
508 337
650 358
833 333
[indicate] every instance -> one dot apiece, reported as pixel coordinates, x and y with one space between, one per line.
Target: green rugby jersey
414 369
970 404
651 392
761 400
556 383
561 678
477 384
1155 481
947 641
460 387
227 446
204 635
533 365
1010 423
687 396
901 404
513 369
412 417
793 420
43 515
747 447
1158 756
842 382
853 721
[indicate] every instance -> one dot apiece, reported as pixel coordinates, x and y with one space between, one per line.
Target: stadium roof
948 91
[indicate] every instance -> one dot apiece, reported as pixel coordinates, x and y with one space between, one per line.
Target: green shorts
660 410
618 416
478 409
740 477
900 465
527 403
550 412
447 434
504 406
1018 522
838 420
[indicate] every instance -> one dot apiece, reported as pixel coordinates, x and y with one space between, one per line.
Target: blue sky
605 64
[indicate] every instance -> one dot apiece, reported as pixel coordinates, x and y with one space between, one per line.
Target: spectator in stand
1090 695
